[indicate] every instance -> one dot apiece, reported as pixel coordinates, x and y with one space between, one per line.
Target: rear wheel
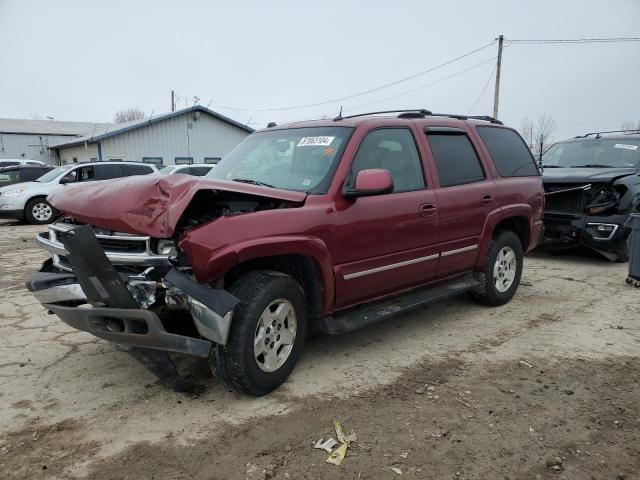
38 211
267 333
501 271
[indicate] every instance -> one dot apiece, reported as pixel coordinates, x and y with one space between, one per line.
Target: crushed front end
591 214
131 290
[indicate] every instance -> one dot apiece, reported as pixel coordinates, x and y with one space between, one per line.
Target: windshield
598 152
300 159
168 169
47 177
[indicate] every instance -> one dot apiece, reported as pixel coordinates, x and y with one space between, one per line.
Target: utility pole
496 93
173 101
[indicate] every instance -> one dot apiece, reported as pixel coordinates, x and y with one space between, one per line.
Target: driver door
385 243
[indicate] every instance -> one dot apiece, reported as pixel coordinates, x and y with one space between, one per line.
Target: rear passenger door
387 242
466 194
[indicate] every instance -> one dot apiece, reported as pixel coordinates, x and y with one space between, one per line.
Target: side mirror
65 180
374 181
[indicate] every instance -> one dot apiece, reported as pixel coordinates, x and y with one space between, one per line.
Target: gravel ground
544 387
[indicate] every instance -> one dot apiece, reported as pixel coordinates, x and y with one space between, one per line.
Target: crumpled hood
586 175
148 204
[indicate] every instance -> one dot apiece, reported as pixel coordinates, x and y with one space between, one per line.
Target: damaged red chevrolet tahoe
326 225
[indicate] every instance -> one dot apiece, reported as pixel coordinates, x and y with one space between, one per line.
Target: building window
212 160
184 160
154 160
94 159
115 158
75 159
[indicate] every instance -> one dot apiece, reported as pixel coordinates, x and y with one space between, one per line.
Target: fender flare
221 261
495 217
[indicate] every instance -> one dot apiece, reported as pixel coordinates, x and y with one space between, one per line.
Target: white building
33 139
191 135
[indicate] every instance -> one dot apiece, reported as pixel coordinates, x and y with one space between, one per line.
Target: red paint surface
341 235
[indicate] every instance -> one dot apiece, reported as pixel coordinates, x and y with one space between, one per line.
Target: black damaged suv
592 185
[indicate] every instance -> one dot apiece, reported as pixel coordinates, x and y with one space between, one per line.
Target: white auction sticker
625 146
315 141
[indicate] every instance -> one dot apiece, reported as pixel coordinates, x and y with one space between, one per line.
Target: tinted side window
9 164
106 172
136 170
30 174
394 150
199 171
456 160
510 155
85 174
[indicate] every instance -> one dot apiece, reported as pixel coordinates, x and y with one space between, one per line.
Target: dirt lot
547 386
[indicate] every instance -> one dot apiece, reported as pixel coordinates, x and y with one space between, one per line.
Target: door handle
428 209
487 199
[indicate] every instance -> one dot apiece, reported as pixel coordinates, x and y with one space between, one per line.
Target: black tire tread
481 294
226 361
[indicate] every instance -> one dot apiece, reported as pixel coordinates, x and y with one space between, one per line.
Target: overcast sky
83 60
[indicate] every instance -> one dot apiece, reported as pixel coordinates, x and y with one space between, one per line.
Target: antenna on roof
339 117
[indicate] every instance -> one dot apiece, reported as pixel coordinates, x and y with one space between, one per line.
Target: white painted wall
193 134
82 153
34 147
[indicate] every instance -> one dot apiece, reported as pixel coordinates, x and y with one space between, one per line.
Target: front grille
565 198
123 246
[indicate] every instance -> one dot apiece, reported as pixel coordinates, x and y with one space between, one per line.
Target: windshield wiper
551 166
592 165
253 182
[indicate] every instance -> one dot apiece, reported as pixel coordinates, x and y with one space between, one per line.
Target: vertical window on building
153 160
183 160
212 160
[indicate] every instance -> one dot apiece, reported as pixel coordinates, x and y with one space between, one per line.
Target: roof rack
597 134
422 113
414 111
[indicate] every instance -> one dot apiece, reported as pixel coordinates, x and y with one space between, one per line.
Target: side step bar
371 313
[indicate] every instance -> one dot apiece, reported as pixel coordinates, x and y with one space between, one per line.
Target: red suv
327 225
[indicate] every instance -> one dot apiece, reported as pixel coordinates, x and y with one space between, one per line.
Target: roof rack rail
597 134
485 118
422 113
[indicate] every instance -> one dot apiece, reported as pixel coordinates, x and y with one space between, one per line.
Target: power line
484 89
573 40
424 86
358 94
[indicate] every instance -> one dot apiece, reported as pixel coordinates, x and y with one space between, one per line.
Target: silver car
28 201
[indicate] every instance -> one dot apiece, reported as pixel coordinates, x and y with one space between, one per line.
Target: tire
38 211
236 364
495 289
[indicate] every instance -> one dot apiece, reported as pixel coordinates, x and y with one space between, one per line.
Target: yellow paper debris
337 456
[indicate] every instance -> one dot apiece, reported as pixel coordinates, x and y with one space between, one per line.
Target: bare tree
539 134
36 116
128 115
629 125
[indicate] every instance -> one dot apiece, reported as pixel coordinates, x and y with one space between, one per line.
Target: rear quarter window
136 170
508 151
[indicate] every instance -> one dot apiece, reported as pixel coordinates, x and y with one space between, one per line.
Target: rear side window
136 170
199 171
106 172
30 174
9 164
456 160
510 155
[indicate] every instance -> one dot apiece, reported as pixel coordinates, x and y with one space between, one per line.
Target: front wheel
501 271
267 333
38 211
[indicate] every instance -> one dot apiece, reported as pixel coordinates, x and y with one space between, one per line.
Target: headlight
604 199
167 247
13 193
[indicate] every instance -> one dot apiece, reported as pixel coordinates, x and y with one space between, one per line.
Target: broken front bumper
95 298
602 233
